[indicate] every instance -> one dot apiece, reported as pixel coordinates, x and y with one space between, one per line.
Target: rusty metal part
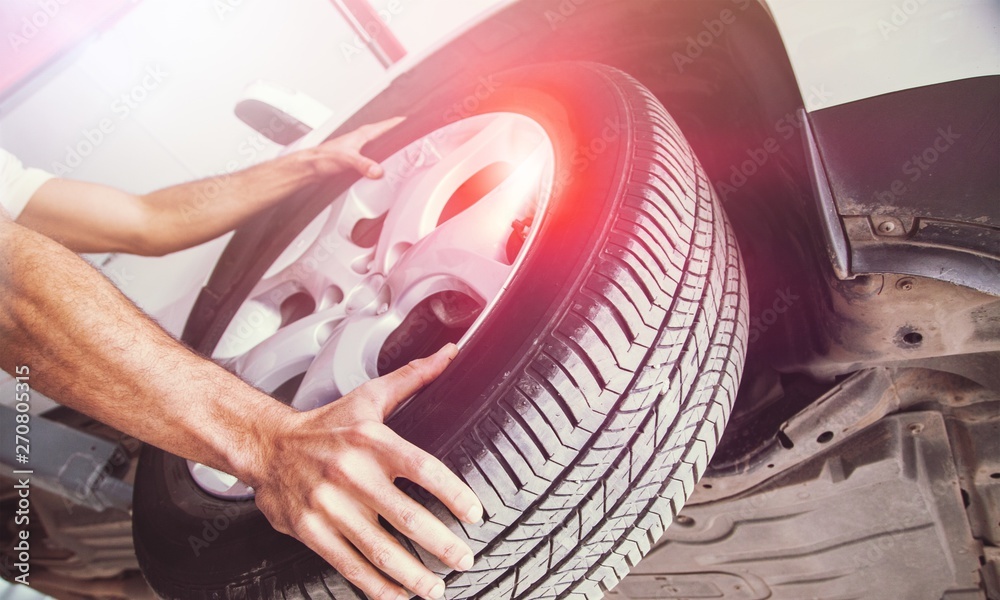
886 320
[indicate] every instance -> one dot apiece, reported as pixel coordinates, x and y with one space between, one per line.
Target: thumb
366 166
390 390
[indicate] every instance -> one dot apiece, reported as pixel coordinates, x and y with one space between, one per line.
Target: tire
582 412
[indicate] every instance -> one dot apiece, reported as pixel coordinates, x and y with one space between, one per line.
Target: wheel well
720 68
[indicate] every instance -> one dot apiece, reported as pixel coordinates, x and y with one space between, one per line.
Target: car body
854 146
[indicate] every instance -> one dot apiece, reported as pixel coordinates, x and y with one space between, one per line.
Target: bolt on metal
886 227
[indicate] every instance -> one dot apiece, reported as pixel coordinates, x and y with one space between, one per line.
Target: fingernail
474 515
374 171
466 563
438 592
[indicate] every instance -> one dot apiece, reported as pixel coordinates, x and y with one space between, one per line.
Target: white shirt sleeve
18 184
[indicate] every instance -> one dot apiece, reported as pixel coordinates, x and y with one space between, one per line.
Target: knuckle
370 431
381 556
307 526
351 571
370 393
449 552
335 469
385 591
417 369
315 497
423 465
361 433
408 518
300 525
365 391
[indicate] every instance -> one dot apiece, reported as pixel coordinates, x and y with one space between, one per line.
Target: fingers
418 524
388 391
409 461
366 133
346 149
406 460
366 166
356 486
384 552
374 130
345 558
347 534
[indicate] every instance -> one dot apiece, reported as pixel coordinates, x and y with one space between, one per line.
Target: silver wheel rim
330 308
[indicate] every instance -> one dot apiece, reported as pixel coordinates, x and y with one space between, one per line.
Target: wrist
254 430
313 163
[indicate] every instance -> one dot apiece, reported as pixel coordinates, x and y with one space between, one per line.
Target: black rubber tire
584 410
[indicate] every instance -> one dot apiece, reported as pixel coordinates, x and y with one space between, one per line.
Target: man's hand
87 217
329 476
344 152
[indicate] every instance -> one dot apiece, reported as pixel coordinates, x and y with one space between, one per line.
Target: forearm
192 213
325 476
93 350
189 214
87 217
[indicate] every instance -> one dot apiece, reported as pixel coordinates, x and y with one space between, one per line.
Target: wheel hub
437 239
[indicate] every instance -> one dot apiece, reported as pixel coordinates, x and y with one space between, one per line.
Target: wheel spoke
361 293
323 263
462 155
443 268
349 359
351 289
289 352
468 253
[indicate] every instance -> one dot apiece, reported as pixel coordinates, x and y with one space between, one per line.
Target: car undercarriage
862 455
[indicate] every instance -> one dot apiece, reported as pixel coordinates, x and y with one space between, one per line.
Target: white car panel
847 50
